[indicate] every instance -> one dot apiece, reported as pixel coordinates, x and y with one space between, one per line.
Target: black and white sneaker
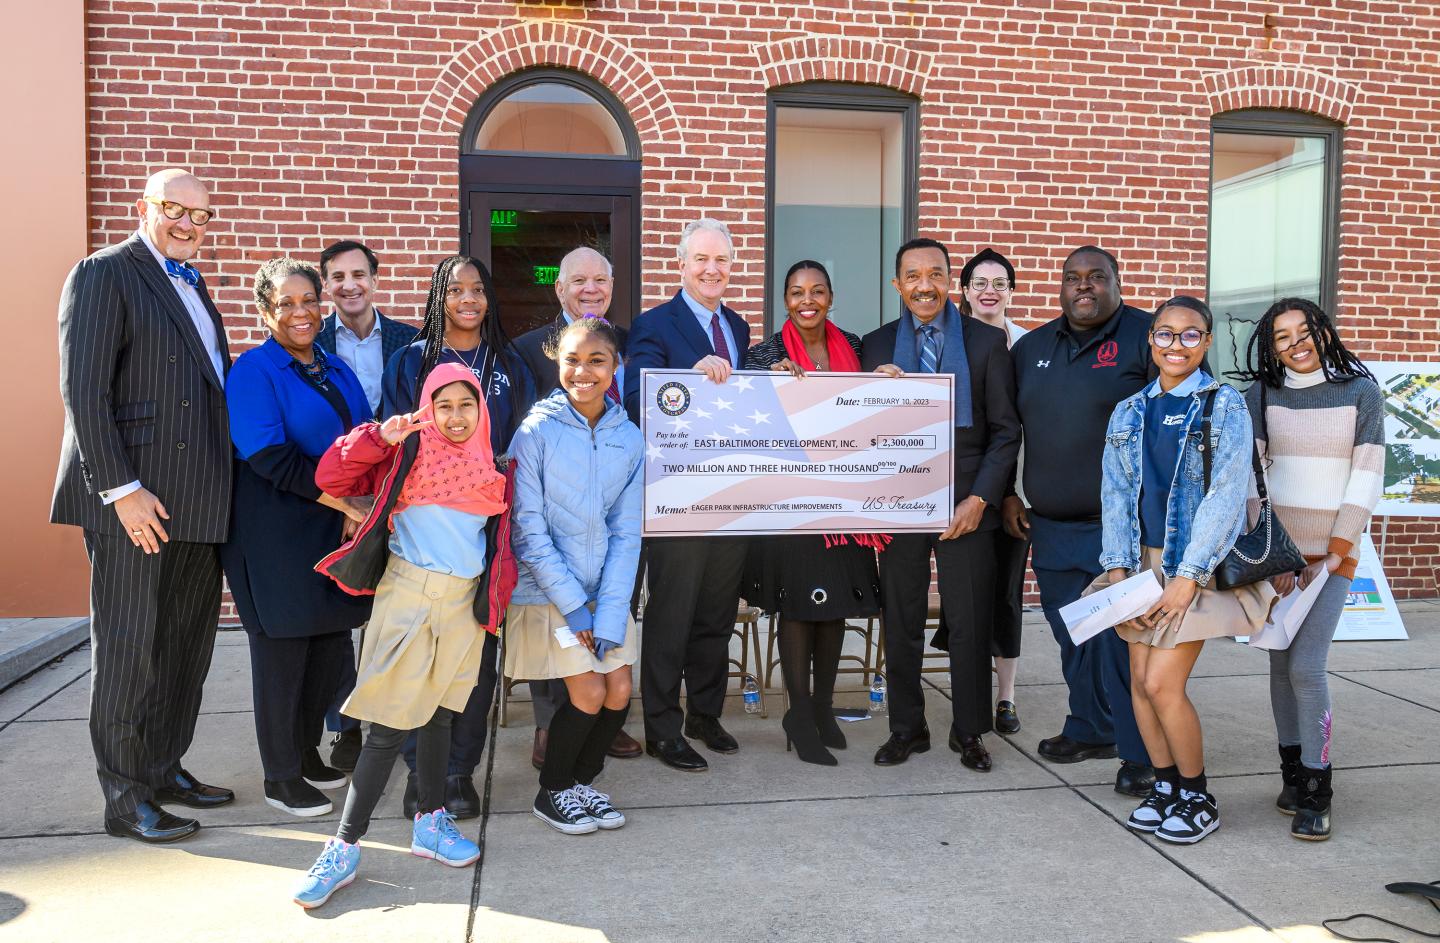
317 774
1155 809
297 797
563 810
1194 816
606 816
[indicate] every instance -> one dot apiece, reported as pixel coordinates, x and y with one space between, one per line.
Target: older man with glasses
145 471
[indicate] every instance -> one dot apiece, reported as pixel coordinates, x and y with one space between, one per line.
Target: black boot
1312 817
829 639
799 724
1289 799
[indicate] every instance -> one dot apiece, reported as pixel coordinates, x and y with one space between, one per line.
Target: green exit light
503 219
546 274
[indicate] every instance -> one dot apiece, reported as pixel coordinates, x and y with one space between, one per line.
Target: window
842 192
1274 186
549 113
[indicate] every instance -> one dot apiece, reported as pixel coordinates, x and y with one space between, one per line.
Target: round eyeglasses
999 284
173 210
1190 337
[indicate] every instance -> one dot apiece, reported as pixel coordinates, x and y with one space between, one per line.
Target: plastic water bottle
877 695
751 693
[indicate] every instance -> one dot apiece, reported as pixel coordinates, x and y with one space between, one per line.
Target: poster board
1370 612
1411 392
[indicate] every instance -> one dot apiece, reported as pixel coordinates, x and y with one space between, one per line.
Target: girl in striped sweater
1319 421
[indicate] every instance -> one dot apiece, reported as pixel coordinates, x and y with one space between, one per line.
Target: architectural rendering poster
1412 438
1370 612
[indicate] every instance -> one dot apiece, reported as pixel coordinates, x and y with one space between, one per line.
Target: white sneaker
1196 815
1155 809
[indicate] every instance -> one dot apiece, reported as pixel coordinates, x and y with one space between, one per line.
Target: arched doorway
549 160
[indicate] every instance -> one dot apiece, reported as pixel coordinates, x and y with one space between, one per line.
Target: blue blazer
669 337
393 335
272 405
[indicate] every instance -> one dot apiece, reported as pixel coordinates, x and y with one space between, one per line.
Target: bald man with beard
145 472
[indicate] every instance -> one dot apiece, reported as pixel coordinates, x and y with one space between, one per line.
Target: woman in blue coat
288 402
576 523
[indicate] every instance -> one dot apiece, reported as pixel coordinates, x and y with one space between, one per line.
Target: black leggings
377 760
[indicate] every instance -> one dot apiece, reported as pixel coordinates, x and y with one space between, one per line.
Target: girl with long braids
462 326
1319 420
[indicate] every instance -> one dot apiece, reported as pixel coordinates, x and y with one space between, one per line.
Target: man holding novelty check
932 336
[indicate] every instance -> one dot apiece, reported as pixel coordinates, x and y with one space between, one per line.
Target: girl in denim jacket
578 493
1157 515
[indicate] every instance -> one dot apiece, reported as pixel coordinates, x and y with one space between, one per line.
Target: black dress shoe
1061 749
898 748
1006 718
972 751
345 750
410 804
151 824
800 729
461 800
185 789
624 747
677 754
709 732
830 733
1134 779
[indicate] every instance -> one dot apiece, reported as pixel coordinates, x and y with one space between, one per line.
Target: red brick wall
1042 126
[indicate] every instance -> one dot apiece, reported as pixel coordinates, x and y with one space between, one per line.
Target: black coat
531 348
985 453
142 401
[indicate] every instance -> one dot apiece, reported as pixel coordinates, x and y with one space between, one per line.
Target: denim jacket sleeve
534 549
1221 512
622 557
1119 505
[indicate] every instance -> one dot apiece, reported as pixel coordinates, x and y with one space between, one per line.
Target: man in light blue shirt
356 331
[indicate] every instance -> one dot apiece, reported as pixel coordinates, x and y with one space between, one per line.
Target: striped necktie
929 350
717 337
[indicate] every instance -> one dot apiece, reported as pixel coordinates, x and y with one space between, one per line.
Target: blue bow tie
183 272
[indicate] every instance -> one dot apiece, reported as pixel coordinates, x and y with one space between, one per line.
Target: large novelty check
765 453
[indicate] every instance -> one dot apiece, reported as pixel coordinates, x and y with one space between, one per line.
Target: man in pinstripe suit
145 470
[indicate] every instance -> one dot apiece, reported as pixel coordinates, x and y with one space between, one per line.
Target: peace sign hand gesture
397 428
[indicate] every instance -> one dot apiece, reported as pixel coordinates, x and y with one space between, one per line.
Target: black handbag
1266 550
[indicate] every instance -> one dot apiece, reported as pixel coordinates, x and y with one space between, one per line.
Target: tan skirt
532 653
1213 613
421 649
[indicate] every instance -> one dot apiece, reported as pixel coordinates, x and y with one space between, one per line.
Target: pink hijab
459 475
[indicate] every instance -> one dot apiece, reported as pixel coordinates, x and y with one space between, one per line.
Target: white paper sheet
566 637
1287 615
1090 615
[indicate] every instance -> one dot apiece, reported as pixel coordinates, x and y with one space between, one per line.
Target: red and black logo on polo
1106 355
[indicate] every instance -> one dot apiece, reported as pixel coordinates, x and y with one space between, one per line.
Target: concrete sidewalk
764 847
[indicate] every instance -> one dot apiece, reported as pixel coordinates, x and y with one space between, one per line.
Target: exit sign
546 274
503 219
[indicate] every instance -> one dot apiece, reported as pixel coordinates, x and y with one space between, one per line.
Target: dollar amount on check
764 453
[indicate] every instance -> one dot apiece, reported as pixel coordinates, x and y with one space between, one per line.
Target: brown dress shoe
537 752
624 746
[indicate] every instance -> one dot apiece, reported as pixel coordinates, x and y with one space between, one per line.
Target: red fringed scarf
842 360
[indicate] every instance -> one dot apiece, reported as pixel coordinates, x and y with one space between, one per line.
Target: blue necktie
183 272
929 350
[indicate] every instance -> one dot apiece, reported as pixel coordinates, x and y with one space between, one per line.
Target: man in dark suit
145 470
364 339
694 581
931 336
584 286
356 331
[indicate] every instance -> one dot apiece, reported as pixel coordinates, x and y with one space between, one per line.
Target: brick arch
549 43
841 59
1286 87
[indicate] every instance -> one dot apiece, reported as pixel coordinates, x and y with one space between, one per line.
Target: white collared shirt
195 307
366 356
619 363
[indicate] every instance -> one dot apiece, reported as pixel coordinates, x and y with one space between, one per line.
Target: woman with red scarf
814 581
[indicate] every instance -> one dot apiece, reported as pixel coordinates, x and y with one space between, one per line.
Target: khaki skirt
1213 613
532 653
421 649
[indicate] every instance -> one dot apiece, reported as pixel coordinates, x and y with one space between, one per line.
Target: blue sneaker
435 836
334 869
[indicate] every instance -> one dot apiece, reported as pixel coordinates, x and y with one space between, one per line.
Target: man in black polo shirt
1069 375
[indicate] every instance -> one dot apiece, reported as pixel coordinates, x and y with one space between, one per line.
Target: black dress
797 575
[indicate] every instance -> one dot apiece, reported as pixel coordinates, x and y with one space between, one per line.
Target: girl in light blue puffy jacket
576 527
